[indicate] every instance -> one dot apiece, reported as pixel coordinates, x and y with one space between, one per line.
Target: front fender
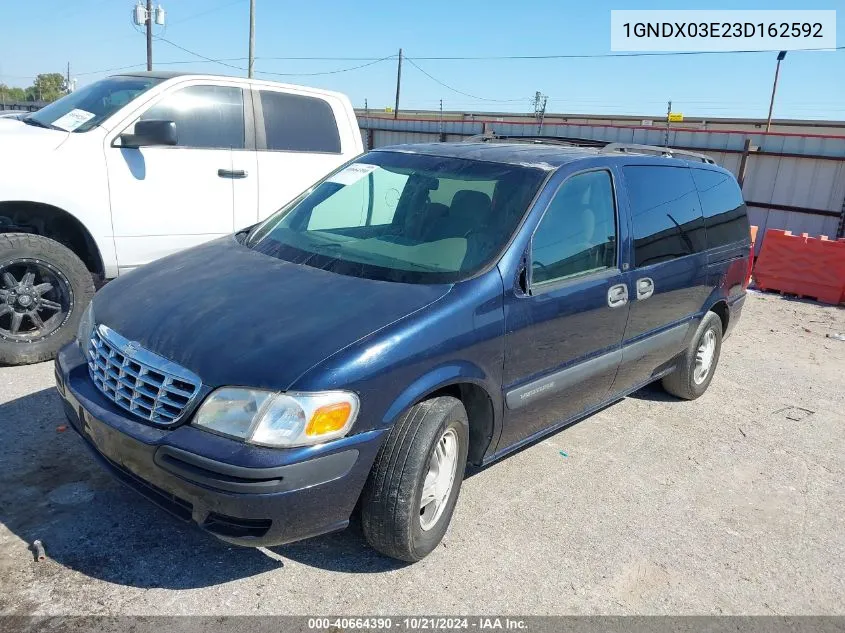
445 375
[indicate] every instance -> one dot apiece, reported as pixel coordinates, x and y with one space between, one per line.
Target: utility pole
781 55
398 84
540 101
149 34
440 127
67 79
668 112
251 38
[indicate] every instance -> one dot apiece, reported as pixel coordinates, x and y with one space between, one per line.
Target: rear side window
294 123
725 216
577 234
209 117
665 212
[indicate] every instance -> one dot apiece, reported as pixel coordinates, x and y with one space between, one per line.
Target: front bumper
243 494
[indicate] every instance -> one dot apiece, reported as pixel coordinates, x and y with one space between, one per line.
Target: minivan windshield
401 216
87 107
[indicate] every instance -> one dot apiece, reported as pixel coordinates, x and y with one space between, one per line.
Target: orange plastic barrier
751 255
802 265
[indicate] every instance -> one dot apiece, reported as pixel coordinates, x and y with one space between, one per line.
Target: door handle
645 288
617 295
232 173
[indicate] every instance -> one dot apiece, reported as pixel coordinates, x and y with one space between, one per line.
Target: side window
210 117
353 206
578 232
295 123
666 213
725 216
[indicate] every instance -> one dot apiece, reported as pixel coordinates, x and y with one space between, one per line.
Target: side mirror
151 132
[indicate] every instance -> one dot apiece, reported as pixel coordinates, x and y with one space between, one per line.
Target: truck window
577 234
210 117
725 216
295 123
665 212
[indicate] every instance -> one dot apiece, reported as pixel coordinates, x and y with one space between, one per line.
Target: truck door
167 198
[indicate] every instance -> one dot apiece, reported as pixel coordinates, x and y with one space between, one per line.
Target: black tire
72 287
681 382
390 508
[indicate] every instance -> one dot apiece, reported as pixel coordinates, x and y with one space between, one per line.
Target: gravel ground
732 504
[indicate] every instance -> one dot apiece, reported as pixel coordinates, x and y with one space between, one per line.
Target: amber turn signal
328 418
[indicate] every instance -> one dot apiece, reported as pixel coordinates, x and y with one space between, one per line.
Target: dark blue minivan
423 308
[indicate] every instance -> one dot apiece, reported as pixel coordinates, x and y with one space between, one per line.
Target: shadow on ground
51 489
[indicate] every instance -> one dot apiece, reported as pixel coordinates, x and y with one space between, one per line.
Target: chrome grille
144 383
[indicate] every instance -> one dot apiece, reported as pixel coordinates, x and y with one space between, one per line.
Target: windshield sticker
352 173
73 120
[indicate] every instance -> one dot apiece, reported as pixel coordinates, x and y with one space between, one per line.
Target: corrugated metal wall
806 172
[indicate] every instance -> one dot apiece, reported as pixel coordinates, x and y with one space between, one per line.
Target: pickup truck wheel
44 288
696 367
414 484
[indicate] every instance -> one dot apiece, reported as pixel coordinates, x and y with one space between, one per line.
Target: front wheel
44 288
414 484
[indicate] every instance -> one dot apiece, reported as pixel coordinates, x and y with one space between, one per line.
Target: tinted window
578 232
375 218
206 116
295 123
724 210
666 213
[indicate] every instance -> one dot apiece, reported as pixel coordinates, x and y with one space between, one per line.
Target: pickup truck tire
698 363
425 451
44 289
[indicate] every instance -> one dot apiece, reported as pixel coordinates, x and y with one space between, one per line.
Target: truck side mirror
151 132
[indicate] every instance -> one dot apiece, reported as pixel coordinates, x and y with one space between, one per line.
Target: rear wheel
413 488
696 367
44 288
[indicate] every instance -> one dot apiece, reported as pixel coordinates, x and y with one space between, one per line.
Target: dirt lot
733 504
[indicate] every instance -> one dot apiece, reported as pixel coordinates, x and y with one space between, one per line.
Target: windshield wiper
37 123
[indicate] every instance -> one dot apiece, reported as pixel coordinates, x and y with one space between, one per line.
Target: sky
95 36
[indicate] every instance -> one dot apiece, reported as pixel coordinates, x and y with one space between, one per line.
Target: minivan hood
237 317
19 136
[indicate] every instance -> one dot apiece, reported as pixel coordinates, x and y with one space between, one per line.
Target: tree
46 87
10 94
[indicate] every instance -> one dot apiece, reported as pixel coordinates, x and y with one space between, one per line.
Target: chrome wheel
439 479
704 357
35 300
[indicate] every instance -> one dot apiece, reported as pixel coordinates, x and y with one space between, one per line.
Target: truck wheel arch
54 223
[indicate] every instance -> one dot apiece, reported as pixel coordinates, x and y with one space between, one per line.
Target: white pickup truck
138 166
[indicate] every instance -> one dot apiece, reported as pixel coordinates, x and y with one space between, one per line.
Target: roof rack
668 152
488 137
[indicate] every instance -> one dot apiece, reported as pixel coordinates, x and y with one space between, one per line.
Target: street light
781 55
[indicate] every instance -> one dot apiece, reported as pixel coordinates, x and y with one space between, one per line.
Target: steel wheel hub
439 479
704 357
35 300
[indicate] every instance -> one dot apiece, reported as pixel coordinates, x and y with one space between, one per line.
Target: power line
277 74
606 55
460 92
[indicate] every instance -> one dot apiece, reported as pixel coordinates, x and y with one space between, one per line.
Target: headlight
268 418
86 327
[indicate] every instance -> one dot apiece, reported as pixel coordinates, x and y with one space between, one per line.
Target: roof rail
668 152
527 138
